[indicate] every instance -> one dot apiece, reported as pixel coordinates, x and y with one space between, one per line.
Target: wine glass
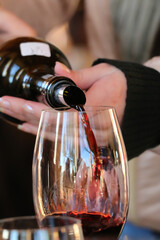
54 228
80 169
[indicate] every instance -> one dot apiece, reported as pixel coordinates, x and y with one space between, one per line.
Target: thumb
76 76
84 78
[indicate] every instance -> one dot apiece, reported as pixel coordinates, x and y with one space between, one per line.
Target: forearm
141 121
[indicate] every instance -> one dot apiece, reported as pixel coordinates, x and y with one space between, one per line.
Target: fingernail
60 66
19 127
28 108
24 128
4 103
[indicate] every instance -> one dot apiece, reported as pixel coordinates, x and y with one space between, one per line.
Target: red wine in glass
97 224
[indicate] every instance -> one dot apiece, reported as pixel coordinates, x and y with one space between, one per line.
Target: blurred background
84 30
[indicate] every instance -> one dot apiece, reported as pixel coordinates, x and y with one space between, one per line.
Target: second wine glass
54 228
80 168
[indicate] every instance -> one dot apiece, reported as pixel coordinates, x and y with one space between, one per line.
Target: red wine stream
91 141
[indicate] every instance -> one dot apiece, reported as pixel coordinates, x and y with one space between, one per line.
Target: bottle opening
74 96
62 92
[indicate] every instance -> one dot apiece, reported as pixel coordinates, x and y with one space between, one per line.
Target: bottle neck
56 91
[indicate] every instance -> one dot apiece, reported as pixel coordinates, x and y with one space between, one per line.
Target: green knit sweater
141 122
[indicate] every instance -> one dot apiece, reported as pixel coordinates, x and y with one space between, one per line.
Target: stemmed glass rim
86 108
70 223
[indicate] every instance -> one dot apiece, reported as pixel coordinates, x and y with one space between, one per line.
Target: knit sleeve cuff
141 122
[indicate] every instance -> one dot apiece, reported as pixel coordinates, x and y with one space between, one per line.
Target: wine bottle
27 71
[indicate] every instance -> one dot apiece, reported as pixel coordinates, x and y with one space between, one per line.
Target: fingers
22 109
85 78
29 128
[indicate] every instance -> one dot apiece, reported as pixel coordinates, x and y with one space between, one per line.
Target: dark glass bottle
27 71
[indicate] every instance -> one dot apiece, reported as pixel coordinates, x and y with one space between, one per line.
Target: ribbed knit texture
141 122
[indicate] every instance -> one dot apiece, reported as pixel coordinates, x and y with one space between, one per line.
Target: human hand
104 84
11 26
